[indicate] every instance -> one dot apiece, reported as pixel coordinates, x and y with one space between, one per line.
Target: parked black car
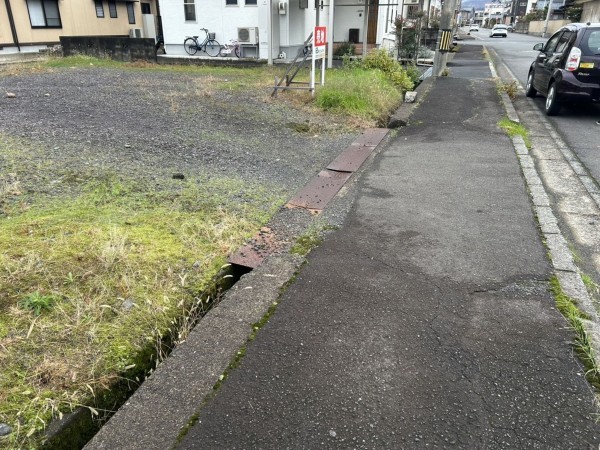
567 69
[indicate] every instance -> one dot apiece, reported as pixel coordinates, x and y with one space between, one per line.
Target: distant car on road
499 30
473 28
567 69
510 28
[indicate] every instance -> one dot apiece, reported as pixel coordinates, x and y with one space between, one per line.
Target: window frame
250 2
231 2
99 9
131 13
189 10
563 42
552 42
112 9
42 4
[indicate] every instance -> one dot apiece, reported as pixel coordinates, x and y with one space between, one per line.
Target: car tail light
573 59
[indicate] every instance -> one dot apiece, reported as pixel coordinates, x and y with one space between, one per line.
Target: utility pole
547 18
444 38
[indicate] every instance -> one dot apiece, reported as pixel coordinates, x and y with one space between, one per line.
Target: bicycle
209 45
232 47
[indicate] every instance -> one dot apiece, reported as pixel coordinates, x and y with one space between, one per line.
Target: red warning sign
320 36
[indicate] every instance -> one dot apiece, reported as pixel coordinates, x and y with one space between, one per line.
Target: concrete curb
164 404
565 269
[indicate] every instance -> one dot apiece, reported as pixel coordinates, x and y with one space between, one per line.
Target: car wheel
530 91
552 104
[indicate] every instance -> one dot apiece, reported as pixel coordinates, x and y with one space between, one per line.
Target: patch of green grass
515 129
582 345
92 282
590 284
368 94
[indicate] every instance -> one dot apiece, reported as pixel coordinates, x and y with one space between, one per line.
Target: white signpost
318 52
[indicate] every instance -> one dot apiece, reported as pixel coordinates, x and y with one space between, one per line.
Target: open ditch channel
75 429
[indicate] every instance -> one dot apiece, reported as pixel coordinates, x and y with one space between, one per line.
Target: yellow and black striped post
445 40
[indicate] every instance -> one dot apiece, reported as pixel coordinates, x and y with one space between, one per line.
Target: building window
251 2
189 9
44 13
231 2
146 8
130 12
112 9
413 11
99 9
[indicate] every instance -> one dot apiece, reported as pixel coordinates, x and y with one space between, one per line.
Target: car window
551 44
590 44
563 41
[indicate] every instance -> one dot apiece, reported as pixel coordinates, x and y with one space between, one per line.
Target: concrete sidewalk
425 321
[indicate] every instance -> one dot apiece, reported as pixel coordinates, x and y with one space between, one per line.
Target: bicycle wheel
237 51
190 46
212 48
224 51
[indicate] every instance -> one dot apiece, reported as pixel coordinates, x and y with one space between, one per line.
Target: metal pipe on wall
13 28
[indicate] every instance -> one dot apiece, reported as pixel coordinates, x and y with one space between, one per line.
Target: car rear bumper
571 89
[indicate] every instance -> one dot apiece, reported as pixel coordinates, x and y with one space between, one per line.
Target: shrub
381 59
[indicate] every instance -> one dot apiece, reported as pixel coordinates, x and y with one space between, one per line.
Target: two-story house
30 25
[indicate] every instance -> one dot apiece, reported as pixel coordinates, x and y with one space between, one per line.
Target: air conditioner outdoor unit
135 32
248 35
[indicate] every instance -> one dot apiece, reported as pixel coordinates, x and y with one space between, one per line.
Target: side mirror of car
539 46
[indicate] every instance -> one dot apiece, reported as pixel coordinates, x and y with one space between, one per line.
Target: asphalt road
576 124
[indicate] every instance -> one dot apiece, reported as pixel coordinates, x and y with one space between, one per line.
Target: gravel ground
149 124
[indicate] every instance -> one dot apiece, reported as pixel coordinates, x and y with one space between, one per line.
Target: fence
113 47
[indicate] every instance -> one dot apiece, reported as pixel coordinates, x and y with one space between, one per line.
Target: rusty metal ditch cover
351 159
252 254
371 136
320 190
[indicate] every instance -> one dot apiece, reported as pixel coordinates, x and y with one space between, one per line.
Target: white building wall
348 14
212 14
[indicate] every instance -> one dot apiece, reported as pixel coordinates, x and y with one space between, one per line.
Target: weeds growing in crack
592 287
582 344
515 129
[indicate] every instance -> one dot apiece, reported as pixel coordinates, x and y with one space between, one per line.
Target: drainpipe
13 28
365 28
330 35
270 33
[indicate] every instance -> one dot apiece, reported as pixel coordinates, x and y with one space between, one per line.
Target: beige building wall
5 33
536 27
78 18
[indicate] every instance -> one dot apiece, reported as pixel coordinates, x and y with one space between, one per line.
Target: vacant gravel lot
149 123
116 267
